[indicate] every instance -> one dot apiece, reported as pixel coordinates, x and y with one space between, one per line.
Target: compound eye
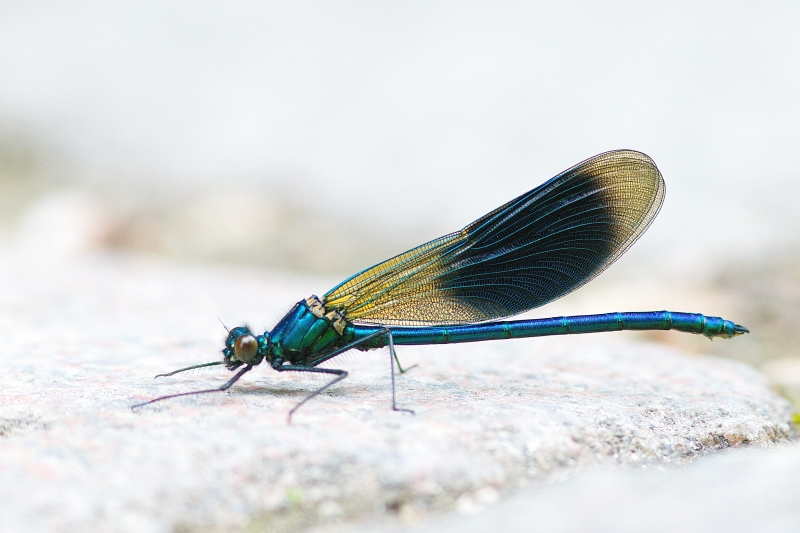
245 348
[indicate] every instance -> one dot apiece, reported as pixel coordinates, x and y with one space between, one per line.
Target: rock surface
82 339
744 490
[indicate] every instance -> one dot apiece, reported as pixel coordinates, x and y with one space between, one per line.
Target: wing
534 249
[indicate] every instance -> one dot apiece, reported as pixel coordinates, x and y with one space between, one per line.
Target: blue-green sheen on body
301 334
654 320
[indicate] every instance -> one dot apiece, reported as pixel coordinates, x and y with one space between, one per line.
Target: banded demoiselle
524 254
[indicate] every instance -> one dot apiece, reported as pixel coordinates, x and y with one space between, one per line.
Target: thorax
306 331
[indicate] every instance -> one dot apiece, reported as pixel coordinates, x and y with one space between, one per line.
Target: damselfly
524 254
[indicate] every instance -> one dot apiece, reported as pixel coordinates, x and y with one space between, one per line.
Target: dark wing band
524 254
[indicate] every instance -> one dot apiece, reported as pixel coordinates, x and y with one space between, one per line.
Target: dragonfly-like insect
532 250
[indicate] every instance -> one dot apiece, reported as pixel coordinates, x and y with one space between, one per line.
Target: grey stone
83 337
740 490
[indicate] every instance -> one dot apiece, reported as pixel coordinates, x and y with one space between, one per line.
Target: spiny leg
392 359
346 347
311 367
340 375
213 363
354 344
224 387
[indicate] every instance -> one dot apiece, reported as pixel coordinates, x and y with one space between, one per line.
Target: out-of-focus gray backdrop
163 162
325 136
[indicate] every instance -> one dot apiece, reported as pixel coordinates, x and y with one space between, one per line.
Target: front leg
222 388
340 375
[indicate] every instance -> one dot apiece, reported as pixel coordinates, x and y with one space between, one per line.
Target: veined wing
524 254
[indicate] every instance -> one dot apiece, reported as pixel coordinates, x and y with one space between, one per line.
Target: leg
392 359
224 387
189 368
344 348
397 360
354 344
340 375
311 367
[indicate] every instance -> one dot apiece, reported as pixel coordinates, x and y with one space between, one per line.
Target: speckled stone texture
82 338
751 491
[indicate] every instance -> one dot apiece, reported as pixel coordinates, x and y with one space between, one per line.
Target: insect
524 254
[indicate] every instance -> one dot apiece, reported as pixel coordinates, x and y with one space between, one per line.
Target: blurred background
322 137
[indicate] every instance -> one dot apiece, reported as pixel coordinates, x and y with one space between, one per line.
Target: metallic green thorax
306 331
